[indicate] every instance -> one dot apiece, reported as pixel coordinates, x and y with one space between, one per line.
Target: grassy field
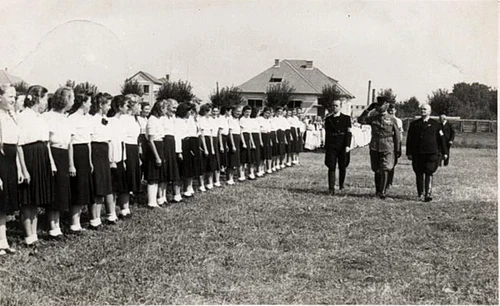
283 240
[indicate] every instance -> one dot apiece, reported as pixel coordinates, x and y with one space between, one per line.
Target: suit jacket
449 132
386 136
337 132
425 138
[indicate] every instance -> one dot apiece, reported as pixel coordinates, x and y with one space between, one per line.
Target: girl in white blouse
247 144
172 142
220 127
81 184
274 141
10 168
257 139
102 150
265 130
206 125
36 161
60 139
234 144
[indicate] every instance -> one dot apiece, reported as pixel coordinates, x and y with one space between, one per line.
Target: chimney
309 64
167 77
277 62
5 68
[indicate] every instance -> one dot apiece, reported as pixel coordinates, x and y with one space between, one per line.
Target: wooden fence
465 125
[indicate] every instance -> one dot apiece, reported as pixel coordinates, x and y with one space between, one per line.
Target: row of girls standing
184 145
61 157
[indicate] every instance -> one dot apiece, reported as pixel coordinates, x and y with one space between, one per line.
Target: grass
283 240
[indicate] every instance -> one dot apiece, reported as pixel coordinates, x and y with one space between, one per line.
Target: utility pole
369 90
373 95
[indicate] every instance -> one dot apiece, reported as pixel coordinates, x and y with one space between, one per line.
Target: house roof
6 77
295 72
147 76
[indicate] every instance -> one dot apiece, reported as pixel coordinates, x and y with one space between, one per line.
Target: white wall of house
150 89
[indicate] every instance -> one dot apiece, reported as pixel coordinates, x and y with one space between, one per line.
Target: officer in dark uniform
449 136
337 143
385 142
424 144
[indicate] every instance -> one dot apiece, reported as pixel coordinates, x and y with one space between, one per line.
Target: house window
294 104
275 80
255 103
146 89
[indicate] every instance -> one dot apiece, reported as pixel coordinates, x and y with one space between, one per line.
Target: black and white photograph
168 152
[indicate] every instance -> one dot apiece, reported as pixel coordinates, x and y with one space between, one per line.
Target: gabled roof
6 77
147 76
295 72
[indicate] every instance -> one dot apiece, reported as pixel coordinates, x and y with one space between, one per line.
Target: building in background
307 80
7 78
150 85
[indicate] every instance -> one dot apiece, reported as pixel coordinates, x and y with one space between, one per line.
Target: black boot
331 181
377 184
384 176
390 176
420 184
428 188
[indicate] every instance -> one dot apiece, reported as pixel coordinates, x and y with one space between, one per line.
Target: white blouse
155 128
234 125
100 129
192 128
118 135
143 122
246 125
223 123
32 127
131 129
206 125
82 127
172 127
265 125
8 128
274 123
60 129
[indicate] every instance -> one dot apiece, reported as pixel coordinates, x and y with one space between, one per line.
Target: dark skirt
289 140
191 158
223 155
209 162
281 143
8 173
39 192
294 137
258 148
133 170
170 166
153 173
274 145
119 179
266 149
101 176
217 153
143 142
299 144
62 186
247 155
82 185
234 153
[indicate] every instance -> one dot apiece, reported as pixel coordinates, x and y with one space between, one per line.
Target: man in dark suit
449 136
424 144
384 145
337 143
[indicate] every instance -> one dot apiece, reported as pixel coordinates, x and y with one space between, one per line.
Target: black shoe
124 217
109 222
428 199
76 233
331 192
382 196
96 228
60 238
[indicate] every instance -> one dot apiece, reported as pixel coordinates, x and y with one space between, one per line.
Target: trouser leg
331 180
384 175
420 183
342 161
377 182
428 186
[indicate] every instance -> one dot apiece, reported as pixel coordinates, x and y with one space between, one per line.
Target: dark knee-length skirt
289 140
82 185
119 179
299 144
62 186
274 144
266 149
152 172
101 177
281 143
39 192
258 148
223 155
8 173
209 162
234 153
133 169
247 154
171 166
191 158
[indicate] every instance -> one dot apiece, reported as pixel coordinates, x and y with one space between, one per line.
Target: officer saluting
385 142
424 143
337 143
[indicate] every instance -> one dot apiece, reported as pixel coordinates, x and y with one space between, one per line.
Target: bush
180 91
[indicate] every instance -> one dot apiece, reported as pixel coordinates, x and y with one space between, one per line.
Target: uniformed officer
424 143
392 111
449 136
337 143
385 142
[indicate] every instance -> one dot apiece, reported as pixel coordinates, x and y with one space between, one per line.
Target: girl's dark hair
267 109
60 99
246 107
156 110
143 105
182 110
254 113
204 109
117 103
34 94
80 98
224 109
278 108
98 101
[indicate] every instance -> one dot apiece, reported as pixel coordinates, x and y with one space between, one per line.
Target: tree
408 108
443 103
21 87
227 96
180 91
329 93
86 88
70 83
389 94
279 94
132 87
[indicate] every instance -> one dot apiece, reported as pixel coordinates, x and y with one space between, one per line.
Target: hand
158 162
372 106
234 148
1 184
206 152
124 165
72 171
179 155
398 154
213 152
450 142
409 157
20 177
112 165
252 146
445 156
244 146
261 144
347 149
54 169
27 177
222 149
91 168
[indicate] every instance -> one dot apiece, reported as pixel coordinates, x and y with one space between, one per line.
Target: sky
414 48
